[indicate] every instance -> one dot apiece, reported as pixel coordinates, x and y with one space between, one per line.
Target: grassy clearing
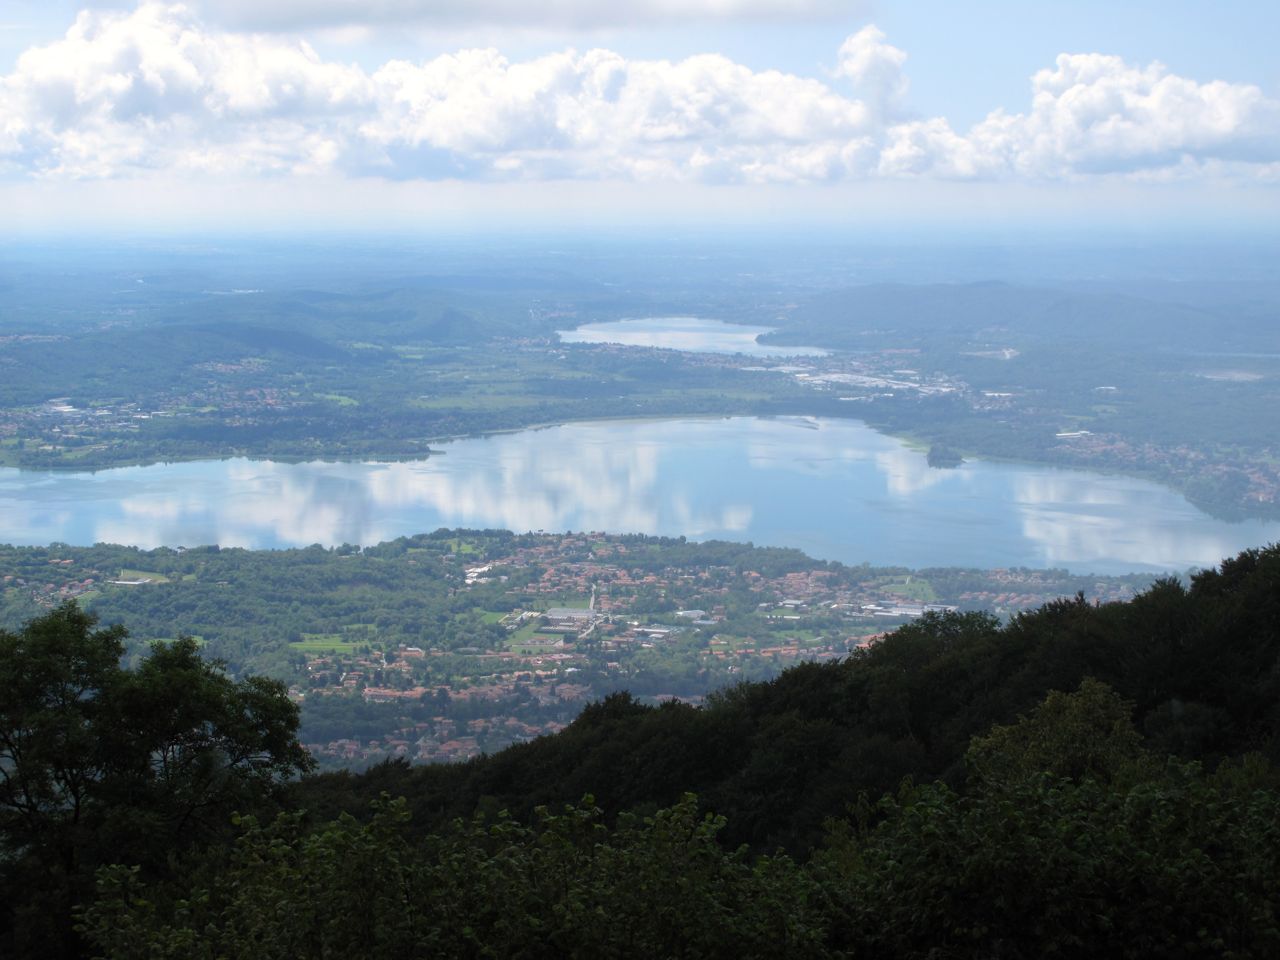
82 453
127 574
531 646
799 636
524 633
913 588
471 403
325 643
340 399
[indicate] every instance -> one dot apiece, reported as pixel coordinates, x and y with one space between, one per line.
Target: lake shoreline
834 487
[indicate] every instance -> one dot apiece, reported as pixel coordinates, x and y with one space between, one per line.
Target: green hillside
1085 780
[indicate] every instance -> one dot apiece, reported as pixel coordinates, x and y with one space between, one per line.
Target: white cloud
572 14
875 67
1098 114
598 115
156 90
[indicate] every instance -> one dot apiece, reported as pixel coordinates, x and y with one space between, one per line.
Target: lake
691 334
834 488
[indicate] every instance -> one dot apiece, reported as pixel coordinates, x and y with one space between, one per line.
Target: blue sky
920 114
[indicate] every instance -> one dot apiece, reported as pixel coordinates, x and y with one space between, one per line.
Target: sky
860 114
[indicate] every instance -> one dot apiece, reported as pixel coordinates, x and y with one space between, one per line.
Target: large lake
834 488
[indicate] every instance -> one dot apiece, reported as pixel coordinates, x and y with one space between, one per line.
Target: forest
1083 779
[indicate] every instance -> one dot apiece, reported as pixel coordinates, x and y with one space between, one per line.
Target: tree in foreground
1069 839
565 886
102 764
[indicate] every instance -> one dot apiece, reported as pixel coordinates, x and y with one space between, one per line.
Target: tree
1068 840
1072 735
100 764
566 886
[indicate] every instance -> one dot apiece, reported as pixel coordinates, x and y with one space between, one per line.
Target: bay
834 488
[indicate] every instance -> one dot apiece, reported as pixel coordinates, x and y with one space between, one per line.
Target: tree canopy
99 763
1112 853
1080 780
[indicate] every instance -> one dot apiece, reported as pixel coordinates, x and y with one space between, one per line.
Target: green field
325 643
142 575
524 633
913 588
517 647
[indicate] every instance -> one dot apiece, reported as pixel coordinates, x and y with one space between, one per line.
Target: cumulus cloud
158 90
155 90
301 14
1095 112
599 115
876 69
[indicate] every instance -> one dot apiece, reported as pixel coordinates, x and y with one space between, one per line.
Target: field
138 575
326 643
912 588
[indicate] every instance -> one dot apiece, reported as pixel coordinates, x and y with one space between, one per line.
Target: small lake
692 334
834 488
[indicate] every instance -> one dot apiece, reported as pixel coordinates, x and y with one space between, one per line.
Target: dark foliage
1132 816
100 764
1101 851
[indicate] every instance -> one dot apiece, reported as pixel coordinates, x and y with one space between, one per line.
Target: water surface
834 488
692 334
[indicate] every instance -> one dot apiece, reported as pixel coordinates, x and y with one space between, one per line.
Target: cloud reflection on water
821 448
1075 523
836 488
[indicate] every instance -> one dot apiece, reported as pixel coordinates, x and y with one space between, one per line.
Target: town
584 622
447 645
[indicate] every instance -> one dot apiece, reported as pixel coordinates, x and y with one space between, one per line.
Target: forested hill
1082 781
1200 664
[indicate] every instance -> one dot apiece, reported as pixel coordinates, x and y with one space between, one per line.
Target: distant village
558 620
624 624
